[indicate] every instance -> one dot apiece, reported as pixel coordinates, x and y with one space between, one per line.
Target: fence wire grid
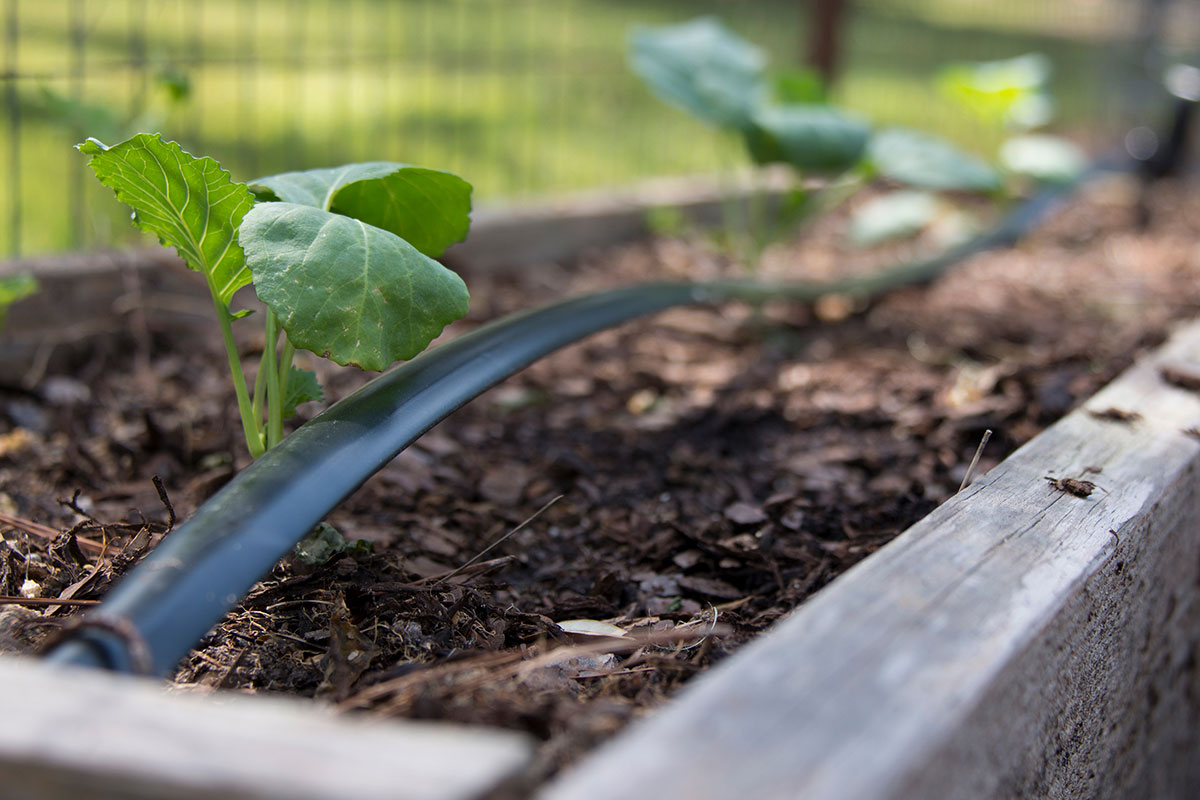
518 96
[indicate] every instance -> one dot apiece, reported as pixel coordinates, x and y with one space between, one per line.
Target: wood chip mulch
698 474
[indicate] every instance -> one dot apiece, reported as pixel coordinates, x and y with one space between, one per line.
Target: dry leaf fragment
713 587
745 514
1072 486
1181 378
591 627
505 486
1116 415
350 653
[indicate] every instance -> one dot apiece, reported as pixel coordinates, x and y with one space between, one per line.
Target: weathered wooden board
67 733
1018 642
518 235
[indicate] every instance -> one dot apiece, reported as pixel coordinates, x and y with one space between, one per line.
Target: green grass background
520 97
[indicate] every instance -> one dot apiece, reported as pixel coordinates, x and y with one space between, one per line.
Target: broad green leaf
189 203
893 216
347 290
928 162
1050 159
302 387
702 68
428 208
809 137
14 288
316 187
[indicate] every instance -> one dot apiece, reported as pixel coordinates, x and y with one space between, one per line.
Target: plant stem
260 386
251 427
285 365
733 213
271 373
827 199
758 227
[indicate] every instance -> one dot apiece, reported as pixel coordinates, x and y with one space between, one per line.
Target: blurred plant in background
14 288
82 118
788 118
527 96
1015 93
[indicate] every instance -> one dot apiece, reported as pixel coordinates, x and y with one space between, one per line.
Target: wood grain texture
520 236
69 733
1018 642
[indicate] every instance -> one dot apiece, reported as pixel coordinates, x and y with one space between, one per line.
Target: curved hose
199 572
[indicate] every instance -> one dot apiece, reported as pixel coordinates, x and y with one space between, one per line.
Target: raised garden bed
713 463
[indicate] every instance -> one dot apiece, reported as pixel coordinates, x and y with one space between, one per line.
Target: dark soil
705 471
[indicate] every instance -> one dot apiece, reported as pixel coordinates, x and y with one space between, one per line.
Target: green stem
760 232
733 212
251 427
285 365
271 372
829 198
260 386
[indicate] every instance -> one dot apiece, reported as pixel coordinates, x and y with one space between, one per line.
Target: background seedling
705 69
14 288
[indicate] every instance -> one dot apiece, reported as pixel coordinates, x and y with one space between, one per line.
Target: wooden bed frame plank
1018 642
75 733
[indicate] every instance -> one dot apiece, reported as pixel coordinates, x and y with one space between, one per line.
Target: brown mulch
698 474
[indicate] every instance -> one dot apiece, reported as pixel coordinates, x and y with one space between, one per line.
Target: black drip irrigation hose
157 613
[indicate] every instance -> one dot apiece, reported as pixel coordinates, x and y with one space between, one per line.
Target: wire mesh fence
518 96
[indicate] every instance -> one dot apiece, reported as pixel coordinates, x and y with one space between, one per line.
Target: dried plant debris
776 451
1181 378
1116 415
1073 486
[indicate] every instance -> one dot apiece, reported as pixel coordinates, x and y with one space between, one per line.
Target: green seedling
1015 93
169 90
703 68
342 258
14 288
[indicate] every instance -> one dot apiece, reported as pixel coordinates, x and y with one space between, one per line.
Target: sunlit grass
519 96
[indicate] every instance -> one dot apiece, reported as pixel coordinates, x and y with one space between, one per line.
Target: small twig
498 542
166 501
293 603
478 568
44 532
29 526
615 673
987 434
14 600
712 627
296 639
73 504
510 664
614 645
